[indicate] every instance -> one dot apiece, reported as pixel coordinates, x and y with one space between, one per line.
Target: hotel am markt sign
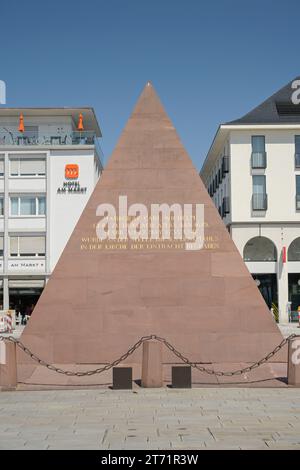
71 185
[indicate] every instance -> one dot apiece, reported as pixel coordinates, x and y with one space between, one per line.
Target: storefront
24 294
294 294
267 284
1 294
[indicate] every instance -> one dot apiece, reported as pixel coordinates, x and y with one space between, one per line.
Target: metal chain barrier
227 374
137 345
77 374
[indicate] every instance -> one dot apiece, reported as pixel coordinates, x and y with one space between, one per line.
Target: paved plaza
206 418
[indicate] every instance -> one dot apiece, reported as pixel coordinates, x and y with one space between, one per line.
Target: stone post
8 365
283 291
152 373
294 362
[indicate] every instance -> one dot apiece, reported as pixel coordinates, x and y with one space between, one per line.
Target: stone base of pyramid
220 349
196 345
39 378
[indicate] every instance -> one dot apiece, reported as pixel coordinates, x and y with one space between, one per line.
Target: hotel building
252 173
48 170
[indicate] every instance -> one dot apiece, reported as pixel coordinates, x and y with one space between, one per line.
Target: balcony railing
33 138
258 160
297 160
297 202
260 202
8 137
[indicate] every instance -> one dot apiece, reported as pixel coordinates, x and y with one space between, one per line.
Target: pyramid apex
149 101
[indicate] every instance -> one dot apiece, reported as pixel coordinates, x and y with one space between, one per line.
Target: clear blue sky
210 61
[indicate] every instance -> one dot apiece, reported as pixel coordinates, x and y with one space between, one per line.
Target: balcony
297 202
297 160
260 202
258 160
32 138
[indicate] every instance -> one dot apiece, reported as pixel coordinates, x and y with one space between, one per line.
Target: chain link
137 345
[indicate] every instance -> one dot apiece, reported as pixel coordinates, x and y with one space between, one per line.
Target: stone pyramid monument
102 297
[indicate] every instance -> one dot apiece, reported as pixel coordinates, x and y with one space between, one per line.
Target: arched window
294 250
260 249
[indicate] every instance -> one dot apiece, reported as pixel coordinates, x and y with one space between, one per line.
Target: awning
26 283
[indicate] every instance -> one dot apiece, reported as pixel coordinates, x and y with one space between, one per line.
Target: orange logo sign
71 171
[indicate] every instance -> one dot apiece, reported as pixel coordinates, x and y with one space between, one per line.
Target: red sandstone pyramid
98 302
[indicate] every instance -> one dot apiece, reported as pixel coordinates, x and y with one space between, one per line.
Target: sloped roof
278 108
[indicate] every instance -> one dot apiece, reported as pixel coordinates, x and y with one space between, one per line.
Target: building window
27 246
298 192
294 250
258 156
1 168
1 247
27 167
225 165
259 197
216 181
1 206
225 206
297 151
260 249
27 206
219 176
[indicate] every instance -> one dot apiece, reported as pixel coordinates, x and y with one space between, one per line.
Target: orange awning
80 123
21 123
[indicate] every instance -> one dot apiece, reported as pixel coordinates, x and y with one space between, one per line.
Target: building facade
48 170
252 173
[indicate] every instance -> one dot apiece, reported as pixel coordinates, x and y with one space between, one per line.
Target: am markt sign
71 187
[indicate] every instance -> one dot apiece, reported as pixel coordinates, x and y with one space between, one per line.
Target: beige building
252 173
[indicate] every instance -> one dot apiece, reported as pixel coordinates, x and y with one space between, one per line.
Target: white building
252 172
47 174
